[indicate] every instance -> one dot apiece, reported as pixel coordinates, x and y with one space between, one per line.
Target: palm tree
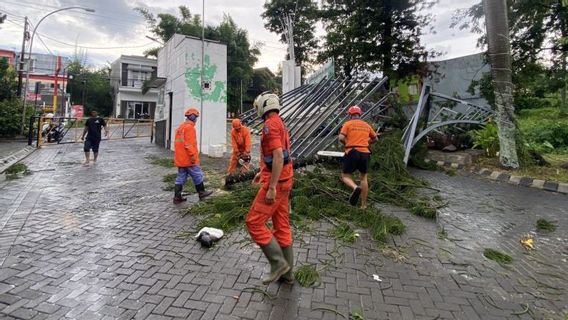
499 52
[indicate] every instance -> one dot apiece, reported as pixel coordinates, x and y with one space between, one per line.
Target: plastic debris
527 242
208 236
377 278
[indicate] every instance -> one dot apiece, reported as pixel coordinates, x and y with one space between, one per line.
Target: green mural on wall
216 91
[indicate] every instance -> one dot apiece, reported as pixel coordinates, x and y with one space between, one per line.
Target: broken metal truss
436 110
315 113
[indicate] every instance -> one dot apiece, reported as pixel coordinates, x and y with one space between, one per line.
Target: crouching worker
186 157
271 202
240 142
356 135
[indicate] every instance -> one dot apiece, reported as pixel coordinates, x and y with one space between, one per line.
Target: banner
77 111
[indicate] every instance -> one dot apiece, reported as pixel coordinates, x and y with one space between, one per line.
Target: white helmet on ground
266 101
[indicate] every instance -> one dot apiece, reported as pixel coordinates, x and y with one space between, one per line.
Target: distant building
43 76
185 85
9 55
128 76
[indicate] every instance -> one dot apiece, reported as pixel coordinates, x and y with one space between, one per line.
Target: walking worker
93 127
186 157
356 135
271 202
240 141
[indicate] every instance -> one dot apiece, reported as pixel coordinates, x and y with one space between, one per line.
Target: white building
128 74
179 65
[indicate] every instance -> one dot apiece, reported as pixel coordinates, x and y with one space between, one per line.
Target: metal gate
59 130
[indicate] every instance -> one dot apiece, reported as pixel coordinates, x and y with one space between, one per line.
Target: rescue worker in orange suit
356 135
186 157
240 141
275 179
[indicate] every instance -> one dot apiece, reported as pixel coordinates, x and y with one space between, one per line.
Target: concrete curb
15 157
496 175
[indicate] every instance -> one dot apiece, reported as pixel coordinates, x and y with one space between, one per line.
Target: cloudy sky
115 28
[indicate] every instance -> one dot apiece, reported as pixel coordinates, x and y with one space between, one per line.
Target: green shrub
524 103
487 139
11 117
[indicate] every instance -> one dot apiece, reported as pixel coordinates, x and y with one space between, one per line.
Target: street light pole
201 78
30 57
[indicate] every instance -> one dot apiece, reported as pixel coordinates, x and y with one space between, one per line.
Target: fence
47 130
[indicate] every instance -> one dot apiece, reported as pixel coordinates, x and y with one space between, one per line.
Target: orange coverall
240 140
274 136
186 152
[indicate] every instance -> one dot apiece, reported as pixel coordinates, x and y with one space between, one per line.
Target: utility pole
25 38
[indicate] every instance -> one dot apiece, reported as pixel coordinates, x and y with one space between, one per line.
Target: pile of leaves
319 194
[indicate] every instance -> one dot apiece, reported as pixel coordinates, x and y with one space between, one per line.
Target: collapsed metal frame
441 117
314 113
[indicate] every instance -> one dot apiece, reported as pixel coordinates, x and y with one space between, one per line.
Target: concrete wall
179 61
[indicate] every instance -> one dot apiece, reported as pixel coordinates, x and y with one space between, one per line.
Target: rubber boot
177 194
278 264
288 253
200 188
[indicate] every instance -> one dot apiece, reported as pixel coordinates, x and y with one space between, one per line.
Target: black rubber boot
177 194
288 253
200 188
278 264
354 198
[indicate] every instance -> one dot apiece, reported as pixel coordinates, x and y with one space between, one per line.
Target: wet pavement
103 242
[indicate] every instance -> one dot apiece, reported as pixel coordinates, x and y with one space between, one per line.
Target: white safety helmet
266 101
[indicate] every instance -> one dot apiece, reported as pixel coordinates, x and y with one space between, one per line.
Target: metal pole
22 58
201 78
30 57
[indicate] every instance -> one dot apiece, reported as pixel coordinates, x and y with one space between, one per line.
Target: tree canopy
241 54
380 35
539 43
304 14
91 88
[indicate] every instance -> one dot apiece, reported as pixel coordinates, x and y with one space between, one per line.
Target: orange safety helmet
237 123
192 111
354 110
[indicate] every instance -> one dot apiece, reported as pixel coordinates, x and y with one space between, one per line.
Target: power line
84 47
95 48
36 6
44 45
116 21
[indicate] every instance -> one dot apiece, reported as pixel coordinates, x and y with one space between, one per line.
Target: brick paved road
101 242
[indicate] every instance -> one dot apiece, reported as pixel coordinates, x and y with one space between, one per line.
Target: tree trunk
563 109
562 15
499 51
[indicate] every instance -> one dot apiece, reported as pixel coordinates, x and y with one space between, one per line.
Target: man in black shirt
93 131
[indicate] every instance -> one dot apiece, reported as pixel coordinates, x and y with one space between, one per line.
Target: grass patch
165 162
344 232
225 212
497 256
17 168
307 276
423 209
357 315
14 171
545 225
319 193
